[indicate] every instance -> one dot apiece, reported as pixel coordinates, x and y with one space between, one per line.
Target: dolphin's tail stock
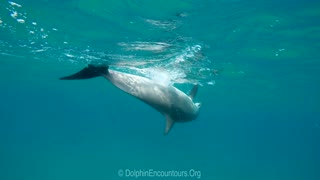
91 71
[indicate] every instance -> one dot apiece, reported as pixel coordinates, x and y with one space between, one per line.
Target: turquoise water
257 63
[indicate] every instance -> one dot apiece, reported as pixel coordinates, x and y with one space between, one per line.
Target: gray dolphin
175 105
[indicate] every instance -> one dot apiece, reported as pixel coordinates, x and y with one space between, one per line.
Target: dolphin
174 104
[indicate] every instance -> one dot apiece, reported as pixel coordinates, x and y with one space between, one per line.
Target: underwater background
257 61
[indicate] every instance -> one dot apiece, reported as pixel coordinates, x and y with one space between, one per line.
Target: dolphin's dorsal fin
169 124
193 91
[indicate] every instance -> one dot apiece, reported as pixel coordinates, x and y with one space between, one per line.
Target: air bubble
20 20
14 4
14 14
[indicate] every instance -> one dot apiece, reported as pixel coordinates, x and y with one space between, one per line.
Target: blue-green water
260 115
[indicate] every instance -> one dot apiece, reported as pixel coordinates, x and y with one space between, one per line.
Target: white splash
144 46
169 25
160 75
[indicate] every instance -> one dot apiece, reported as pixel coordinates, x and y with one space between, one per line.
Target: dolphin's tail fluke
91 71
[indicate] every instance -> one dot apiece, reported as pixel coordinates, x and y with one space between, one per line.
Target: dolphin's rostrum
175 105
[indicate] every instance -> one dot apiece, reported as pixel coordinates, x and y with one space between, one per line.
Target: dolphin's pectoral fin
89 72
193 91
169 124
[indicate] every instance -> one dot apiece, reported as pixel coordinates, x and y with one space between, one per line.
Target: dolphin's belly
164 98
